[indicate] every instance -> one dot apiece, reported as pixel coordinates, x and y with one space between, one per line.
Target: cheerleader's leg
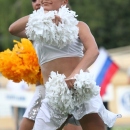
30 114
92 114
49 119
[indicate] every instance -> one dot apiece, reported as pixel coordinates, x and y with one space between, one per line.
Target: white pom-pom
84 88
41 28
65 100
58 94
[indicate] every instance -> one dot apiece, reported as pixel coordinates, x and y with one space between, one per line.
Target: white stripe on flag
98 64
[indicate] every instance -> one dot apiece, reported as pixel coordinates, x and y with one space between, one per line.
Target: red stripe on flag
108 76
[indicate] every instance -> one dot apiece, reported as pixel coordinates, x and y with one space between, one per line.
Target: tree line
109 20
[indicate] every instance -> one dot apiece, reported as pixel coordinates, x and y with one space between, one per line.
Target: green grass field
121 128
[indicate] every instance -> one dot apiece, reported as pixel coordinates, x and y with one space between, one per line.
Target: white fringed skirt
60 101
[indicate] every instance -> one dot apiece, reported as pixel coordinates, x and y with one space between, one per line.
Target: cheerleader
59 39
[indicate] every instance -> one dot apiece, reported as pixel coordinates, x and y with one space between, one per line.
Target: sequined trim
56 117
35 108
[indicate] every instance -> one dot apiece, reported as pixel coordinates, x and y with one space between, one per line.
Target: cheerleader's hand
70 82
57 20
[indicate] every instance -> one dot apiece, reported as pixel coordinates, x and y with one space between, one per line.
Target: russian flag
104 68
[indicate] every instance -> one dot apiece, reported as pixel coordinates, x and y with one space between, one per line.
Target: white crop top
47 53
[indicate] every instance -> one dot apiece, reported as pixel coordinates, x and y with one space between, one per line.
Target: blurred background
109 21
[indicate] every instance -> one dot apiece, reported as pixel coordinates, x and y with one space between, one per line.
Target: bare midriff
61 65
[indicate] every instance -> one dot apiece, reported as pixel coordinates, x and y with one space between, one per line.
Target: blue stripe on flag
103 71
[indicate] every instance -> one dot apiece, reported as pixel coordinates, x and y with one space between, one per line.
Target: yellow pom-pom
21 63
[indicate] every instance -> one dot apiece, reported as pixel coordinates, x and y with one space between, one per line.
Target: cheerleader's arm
21 34
18 27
